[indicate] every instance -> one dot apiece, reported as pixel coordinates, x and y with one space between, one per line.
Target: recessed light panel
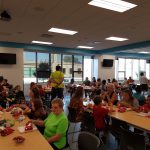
86 47
143 52
115 5
62 31
112 38
41 42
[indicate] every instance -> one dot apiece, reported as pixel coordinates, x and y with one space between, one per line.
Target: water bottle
7 104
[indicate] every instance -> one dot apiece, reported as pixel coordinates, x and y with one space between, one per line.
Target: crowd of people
54 125
108 93
10 94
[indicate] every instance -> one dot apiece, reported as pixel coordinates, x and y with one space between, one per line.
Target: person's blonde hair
58 101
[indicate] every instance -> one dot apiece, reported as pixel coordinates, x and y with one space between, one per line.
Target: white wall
106 72
14 73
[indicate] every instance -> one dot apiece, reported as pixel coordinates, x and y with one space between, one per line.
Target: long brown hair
39 111
36 92
131 98
78 93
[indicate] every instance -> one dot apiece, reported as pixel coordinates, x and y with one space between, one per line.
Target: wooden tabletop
34 140
132 118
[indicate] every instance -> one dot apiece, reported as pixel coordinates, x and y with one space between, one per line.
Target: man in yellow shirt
57 79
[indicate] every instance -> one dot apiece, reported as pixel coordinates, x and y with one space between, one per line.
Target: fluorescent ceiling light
115 5
143 52
86 47
116 38
40 42
62 31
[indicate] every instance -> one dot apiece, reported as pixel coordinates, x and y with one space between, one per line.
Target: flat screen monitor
7 58
43 74
107 62
148 61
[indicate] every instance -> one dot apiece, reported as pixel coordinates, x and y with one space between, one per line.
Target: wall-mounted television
107 63
148 61
42 74
7 58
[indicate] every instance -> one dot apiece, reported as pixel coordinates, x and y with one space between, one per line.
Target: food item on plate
19 139
10 108
6 131
9 123
29 126
122 109
21 118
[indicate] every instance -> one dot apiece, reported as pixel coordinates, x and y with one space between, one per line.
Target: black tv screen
7 58
148 61
43 74
107 62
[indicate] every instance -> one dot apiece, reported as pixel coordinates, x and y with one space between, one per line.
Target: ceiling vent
5 16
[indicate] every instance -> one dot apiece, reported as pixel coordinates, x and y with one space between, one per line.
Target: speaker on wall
148 61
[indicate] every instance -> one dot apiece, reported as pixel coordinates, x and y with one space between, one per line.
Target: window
67 64
142 65
121 64
70 70
135 69
131 67
78 68
95 68
128 68
121 75
147 70
72 66
43 67
87 67
55 60
64 70
29 67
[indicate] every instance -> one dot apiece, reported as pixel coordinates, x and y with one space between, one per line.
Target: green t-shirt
56 124
57 76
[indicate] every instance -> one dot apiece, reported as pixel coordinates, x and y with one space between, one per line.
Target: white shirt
143 80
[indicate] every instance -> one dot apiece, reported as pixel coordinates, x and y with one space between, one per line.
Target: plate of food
19 139
6 131
128 109
21 118
28 127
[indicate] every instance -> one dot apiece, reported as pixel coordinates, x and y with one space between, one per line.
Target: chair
131 141
115 128
88 141
88 123
72 115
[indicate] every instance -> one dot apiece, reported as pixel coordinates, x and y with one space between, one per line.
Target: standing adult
143 82
57 79
87 82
